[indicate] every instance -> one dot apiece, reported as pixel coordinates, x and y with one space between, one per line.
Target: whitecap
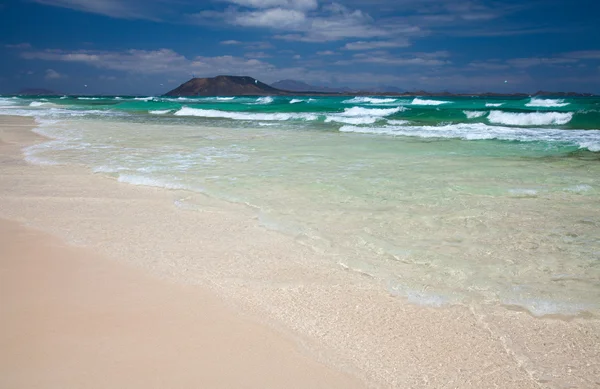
296 101
494 104
584 139
225 98
213 113
474 114
530 119
369 100
264 100
378 112
144 98
398 122
418 101
352 120
160 112
547 103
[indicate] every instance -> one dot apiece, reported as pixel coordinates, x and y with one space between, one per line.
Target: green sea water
439 200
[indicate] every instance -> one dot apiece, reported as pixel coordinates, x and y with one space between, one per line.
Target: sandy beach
72 319
105 284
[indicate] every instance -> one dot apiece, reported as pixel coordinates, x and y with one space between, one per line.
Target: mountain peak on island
224 86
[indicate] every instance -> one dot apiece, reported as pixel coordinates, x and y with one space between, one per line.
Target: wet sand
72 319
220 261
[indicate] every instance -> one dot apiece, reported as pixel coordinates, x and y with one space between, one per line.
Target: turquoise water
439 200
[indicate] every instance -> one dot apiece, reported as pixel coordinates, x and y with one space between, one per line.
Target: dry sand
78 330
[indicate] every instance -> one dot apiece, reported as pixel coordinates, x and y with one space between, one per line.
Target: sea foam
530 119
418 101
546 103
264 100
474 114
214 113
368 100
584 139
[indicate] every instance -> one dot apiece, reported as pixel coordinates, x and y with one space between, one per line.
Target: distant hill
224 86
38 92
299 86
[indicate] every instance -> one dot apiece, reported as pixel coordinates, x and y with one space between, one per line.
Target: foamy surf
474 114
418 101
369 100
546 103
584 139
529 118
213 113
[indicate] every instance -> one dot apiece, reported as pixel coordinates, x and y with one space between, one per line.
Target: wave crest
530 119
546 103
214 113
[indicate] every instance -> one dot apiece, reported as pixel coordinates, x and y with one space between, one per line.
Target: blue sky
151 46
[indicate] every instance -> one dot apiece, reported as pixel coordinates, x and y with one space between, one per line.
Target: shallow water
441 201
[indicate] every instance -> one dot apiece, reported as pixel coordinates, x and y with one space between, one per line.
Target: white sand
336 316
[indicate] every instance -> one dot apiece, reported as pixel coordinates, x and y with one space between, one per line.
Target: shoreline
338 317
71 318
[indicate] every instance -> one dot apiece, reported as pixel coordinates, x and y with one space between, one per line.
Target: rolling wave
369 100
529 119
584 139
546 103
474 114
213 113
418 101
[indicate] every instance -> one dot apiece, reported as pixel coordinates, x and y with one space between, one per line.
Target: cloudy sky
151 46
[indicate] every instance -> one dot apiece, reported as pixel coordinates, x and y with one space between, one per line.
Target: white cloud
326 52
287 4
133 9
257 54
370 45
279 17
530 62
169 63
330 22
52 74
19 46
231 42
488 65
585 54
436 58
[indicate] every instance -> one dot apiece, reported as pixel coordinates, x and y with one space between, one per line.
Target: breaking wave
474 114
213 113
160 112
264 100
546 103
584 139
530 119
494 104
418 101
369 100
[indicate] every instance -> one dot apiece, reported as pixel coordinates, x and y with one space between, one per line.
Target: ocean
437 200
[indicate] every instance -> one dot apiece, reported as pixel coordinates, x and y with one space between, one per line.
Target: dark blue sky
151 46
